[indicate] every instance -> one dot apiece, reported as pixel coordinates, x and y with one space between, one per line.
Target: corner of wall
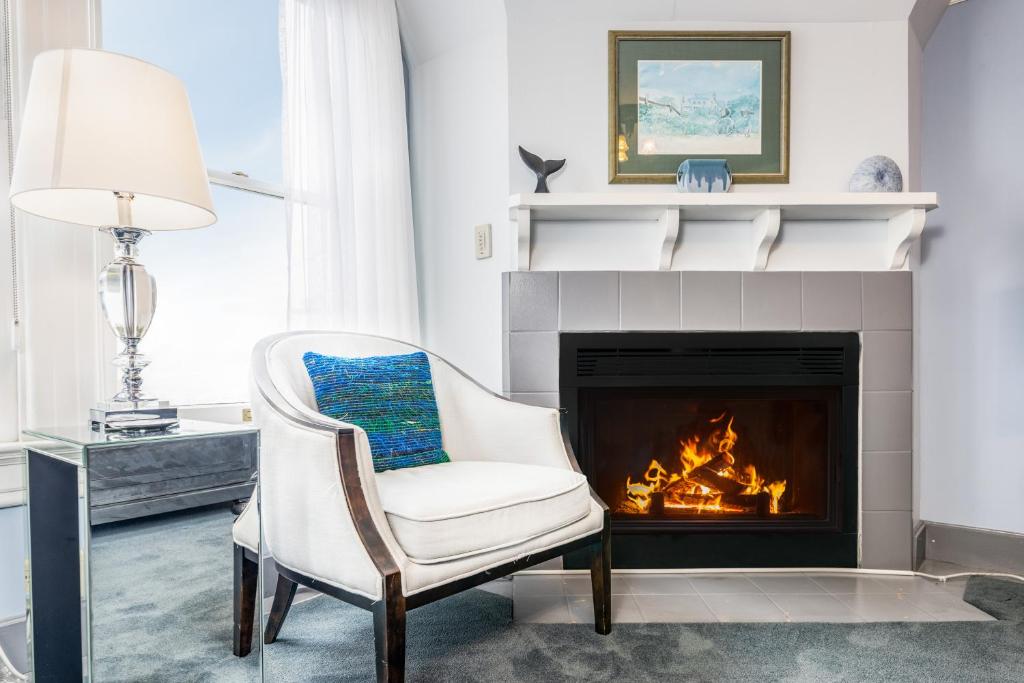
915 100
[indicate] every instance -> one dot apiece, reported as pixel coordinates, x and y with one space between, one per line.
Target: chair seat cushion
452 510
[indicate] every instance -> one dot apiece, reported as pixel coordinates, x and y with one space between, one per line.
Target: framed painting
685 95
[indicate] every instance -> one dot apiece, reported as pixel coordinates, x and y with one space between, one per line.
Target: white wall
849 91
458 118
58 341
971 278
487 76
62 332
8 332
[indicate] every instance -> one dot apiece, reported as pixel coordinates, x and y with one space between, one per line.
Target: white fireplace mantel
717 231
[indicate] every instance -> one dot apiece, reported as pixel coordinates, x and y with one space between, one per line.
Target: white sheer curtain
346 167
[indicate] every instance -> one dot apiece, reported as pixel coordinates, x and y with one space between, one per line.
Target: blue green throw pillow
390 397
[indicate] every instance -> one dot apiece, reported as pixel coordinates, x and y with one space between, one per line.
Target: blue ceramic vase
704 175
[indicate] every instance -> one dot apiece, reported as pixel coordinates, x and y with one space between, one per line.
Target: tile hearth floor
697 598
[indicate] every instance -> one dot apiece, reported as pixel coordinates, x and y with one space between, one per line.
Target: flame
706 467
690 457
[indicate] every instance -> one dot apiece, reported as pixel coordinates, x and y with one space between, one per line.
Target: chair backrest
280 358
277 365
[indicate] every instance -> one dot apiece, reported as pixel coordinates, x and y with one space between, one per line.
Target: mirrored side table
76 479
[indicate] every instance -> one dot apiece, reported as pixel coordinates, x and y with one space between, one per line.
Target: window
224 287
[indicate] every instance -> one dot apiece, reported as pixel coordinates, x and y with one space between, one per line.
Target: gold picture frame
771 167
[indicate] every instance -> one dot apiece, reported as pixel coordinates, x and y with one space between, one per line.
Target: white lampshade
96 123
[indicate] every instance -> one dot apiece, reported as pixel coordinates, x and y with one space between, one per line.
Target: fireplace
718 449
743 457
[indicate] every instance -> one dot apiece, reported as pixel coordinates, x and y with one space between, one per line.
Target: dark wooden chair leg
389 632
284 593
246 572
601 581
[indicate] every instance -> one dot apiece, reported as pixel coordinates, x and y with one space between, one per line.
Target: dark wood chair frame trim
389 611
246 589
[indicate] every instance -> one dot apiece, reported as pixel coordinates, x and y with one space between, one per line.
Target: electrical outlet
482 240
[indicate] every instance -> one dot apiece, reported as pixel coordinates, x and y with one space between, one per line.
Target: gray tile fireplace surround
536 306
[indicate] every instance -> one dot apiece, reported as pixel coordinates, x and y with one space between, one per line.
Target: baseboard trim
999 551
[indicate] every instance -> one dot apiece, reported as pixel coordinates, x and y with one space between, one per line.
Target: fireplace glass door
726 456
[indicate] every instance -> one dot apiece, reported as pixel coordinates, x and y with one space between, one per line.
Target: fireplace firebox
718 449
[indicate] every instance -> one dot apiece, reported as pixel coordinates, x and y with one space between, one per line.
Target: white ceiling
788 11
429 27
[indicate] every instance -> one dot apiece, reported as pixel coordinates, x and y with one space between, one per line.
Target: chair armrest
359 505
307 460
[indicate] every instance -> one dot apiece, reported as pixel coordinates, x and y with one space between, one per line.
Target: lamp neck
126 238
124 208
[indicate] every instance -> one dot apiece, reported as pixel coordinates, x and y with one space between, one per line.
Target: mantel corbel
669 222
904 229
766 231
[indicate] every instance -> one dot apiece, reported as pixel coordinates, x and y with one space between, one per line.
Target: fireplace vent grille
707 361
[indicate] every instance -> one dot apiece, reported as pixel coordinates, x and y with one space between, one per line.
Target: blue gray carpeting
164 589
7 674
162 600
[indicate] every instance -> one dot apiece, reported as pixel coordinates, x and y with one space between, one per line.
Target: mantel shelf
765 211
725 206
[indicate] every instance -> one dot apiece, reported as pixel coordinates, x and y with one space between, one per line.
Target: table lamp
108 141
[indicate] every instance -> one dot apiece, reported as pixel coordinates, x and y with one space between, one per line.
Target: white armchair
512 496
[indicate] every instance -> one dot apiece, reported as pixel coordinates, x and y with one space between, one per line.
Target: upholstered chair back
288 372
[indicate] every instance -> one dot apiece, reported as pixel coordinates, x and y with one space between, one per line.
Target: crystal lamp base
128 297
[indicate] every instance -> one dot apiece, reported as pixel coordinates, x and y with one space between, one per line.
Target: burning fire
706 480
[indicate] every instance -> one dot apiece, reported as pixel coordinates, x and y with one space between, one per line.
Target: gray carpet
162 600
185 634
6 675
14 655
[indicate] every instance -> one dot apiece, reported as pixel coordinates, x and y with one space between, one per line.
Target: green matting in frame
698 95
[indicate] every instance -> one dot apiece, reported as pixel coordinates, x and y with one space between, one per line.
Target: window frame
239 180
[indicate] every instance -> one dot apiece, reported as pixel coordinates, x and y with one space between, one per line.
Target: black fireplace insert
718 449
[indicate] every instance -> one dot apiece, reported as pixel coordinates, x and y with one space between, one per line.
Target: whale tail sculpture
542 169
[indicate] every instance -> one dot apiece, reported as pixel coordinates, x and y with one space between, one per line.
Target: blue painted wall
971 285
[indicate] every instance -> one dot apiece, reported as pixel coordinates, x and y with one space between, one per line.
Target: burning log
694 495
657 503
708 479
720 462
708 476
764 504
711 503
